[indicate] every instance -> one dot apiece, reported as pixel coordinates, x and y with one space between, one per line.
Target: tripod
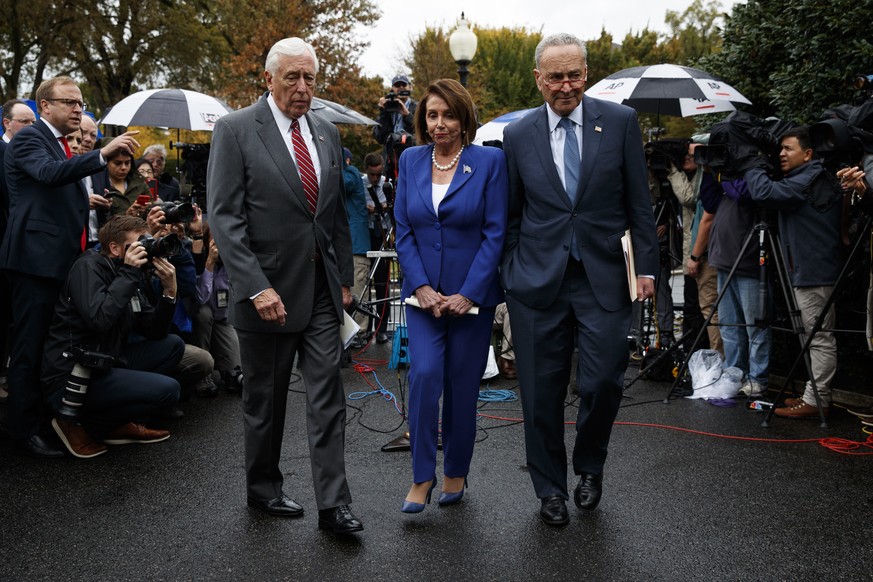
766 240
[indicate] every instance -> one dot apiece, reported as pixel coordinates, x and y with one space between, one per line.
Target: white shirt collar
283 121
554 118
52 128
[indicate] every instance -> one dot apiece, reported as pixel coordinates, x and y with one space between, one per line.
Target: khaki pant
823 349
707 293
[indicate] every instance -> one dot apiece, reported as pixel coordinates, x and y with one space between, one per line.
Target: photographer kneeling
105 299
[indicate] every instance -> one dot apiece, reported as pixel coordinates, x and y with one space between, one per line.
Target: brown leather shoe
133 433
77 440
507 368
791 402
802 410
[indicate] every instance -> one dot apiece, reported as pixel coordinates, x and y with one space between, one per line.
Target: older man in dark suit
577 180
277 213
48 208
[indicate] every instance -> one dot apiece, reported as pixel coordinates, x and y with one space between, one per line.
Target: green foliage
501 79
794 60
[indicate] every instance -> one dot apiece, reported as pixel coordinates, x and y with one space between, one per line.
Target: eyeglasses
24 121
70 102
556 82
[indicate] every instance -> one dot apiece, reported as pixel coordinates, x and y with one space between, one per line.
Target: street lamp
462 44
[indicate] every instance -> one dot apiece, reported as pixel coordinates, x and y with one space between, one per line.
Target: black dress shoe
282 506
588 491
554 511
36 446
339 520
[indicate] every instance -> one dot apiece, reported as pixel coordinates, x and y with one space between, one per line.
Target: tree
795 60
501 75
327 24
695 32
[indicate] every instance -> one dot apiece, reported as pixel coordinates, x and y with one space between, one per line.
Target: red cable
838 445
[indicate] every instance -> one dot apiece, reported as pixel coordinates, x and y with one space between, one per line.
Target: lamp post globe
462 44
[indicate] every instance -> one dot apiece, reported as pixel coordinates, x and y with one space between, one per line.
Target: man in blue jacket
809 208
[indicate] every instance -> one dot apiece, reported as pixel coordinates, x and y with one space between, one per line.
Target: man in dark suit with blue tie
48 209
577 180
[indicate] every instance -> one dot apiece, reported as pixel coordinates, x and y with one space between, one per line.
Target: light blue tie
572 160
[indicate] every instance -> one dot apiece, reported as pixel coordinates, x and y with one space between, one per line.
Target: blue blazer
48 205
613 195
459 250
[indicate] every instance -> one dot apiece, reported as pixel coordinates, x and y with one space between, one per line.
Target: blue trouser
447 357
745 346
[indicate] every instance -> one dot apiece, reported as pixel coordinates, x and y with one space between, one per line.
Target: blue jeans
746 348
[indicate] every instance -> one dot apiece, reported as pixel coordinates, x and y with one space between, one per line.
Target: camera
73 397
742 141
843 136
662 154
195 160
163 246
392 102
864 83
177 212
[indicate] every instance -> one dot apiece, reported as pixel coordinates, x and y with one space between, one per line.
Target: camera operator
697 191
396 110
810 210
380 199
195 370
105 300
396 130
665 207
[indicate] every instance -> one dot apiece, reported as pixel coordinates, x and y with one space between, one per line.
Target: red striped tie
305 167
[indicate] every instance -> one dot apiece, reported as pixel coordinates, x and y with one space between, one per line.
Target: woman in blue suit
450 209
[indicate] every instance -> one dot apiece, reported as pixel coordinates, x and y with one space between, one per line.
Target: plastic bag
709 379
491 368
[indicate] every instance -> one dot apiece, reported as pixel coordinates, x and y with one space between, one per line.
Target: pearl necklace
450 165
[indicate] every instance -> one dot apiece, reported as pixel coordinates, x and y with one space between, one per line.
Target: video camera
73 398
663 154
193 170
743 141
392 102
844 135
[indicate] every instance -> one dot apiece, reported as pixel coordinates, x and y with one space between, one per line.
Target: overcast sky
402 19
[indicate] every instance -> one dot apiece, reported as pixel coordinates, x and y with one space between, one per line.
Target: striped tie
304 166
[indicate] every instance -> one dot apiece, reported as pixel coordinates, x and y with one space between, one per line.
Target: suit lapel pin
467 169
597 128
321 138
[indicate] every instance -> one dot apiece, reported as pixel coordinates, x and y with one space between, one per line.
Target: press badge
221 297
135 304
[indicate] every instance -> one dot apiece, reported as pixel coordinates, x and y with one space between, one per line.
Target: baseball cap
400 79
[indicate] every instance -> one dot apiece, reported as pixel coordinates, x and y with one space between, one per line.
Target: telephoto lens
177 212
73 398
165 246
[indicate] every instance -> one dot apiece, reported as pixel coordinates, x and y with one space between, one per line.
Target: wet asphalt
676 505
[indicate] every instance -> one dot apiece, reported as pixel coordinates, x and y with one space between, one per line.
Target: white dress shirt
284 124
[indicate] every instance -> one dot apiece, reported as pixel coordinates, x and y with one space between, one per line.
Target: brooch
467 169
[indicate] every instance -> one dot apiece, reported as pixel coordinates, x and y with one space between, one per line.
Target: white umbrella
493 130
336 113
668 90
176 108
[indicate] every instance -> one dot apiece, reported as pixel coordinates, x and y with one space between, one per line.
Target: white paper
348 330
414 302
